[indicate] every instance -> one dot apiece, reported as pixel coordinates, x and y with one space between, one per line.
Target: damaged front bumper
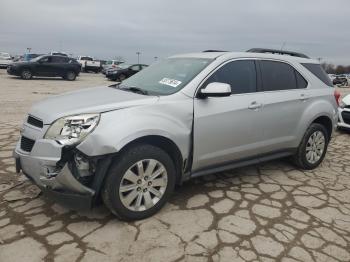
45 167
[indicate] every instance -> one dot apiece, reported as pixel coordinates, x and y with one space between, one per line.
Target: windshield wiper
133 89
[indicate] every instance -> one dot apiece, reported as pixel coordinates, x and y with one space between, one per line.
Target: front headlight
72 130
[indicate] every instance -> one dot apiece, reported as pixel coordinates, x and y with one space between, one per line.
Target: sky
107 29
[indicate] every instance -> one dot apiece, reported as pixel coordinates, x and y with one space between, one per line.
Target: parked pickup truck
89 64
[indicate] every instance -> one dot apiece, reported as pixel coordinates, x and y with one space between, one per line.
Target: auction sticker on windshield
170 82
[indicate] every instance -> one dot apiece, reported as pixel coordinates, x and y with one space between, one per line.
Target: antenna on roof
284 43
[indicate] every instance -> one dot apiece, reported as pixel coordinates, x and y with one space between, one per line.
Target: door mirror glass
216 89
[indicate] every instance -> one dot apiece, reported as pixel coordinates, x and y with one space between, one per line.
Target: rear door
228 128
59 65
286 97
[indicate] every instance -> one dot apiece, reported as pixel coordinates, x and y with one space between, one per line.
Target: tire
121 78
26 74
70 76
309 155
136 200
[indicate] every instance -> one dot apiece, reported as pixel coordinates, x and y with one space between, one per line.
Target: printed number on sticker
170 82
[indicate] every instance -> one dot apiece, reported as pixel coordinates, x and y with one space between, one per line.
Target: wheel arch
326 122
163 143
322 112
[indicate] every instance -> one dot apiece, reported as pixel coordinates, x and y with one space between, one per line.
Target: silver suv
190 115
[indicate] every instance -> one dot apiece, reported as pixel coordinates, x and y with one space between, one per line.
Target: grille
35 122
27 144
346 117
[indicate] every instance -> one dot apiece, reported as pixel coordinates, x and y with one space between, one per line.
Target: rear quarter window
318 71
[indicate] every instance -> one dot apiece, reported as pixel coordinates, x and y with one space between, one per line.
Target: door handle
254 105
303 97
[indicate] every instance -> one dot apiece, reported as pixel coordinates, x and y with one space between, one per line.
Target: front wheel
26 74
121 78
313 147
139 183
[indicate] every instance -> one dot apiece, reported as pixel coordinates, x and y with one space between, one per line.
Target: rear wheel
313 147
70 76
139 182
26 74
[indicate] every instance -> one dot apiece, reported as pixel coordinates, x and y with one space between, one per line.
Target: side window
241 75
58 59
277 76
301 82
72 61
46 59
318 71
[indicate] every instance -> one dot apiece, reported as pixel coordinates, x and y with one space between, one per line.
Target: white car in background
89 64
344 113
111 64
5 59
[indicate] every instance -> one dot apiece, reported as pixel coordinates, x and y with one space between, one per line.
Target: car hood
20 63
88 100
346 100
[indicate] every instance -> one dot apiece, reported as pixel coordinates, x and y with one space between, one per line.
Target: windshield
167 76
123 66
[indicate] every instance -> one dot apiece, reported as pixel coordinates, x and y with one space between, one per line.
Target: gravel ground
270 212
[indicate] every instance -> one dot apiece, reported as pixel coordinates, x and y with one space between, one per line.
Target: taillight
337 96
113 66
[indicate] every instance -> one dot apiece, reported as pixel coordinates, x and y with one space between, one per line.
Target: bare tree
332 69
119 58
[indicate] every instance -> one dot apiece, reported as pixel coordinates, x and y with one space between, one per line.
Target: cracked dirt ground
270 212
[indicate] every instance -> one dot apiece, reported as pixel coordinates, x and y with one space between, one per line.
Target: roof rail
275 51
208 51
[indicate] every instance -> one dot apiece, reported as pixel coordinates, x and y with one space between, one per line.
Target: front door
227 129
44 66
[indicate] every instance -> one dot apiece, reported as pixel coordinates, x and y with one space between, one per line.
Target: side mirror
216 89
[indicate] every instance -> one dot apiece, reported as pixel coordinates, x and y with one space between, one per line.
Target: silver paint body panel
223 129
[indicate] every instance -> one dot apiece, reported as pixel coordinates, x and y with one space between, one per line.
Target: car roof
231 55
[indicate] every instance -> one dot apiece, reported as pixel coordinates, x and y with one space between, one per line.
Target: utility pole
138 56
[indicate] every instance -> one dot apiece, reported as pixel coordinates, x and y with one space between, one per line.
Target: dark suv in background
124 71
46 65
340 80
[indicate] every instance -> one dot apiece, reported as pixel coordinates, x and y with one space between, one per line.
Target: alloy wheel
143 185
26 74
315 147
